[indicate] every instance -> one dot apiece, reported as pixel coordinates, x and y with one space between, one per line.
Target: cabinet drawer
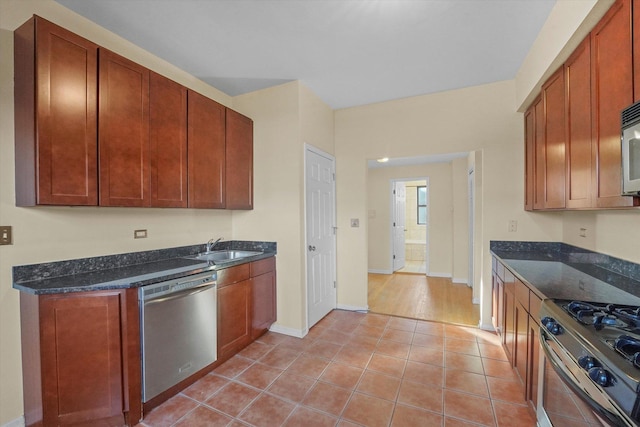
522 294
234 274
263 266
534 306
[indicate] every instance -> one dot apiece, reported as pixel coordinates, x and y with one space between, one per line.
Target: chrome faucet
211 243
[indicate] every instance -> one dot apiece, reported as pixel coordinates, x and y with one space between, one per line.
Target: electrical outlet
583 232
5 235
513 226
140 234
355 222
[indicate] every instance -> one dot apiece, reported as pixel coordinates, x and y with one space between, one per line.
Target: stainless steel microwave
631 150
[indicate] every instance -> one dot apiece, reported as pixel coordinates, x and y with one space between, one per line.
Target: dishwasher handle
182 294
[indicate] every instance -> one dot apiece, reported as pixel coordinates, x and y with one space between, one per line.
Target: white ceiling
348 52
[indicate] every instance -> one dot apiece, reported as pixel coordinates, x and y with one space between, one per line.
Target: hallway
421 297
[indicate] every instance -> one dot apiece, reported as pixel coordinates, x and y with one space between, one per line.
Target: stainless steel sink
225 256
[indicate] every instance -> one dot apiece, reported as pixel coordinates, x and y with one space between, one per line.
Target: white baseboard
18 422
445 275
476 301
460 280
376 271
298 333
351 307
485 327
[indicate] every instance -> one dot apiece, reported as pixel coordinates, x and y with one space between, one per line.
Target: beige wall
440 224
460 214
477 118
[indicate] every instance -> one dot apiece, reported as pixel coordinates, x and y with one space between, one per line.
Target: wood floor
420 297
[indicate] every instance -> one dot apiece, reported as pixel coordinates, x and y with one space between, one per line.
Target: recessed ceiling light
383 160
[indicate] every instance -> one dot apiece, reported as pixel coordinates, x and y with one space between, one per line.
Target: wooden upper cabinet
206 152
123 131
529 155
168 142
577 71
239 161
611 91
554 120
55 116
539 164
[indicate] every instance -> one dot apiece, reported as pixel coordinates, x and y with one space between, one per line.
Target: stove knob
601 376
552 326
588 362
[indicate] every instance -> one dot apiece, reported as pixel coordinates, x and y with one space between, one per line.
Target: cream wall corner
285 118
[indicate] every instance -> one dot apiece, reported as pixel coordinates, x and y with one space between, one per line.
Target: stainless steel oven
587 370
178 327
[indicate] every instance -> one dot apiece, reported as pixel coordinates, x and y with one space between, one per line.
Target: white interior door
321 237
399 222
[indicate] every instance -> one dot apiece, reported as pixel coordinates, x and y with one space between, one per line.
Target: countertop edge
129 276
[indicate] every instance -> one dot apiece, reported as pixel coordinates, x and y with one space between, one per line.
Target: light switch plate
5 235
355 222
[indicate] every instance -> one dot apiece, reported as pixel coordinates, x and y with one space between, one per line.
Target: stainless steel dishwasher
178 328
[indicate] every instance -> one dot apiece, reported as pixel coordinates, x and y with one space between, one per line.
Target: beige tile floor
355 369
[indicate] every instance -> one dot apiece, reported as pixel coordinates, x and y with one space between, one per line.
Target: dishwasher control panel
177 285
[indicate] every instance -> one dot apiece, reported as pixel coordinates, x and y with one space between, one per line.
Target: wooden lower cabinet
234 310
263 295
519 332
81 358
246 304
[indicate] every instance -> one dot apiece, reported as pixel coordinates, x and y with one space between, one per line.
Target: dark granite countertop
561 271
129 270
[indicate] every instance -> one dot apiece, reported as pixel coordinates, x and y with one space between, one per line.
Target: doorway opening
410 226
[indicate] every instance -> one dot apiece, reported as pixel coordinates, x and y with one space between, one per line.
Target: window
422 204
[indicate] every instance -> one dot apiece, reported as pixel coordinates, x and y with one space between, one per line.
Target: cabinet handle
312 248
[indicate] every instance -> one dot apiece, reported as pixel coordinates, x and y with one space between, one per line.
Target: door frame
392 207
307 149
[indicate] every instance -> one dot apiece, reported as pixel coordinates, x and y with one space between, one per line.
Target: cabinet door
82 366
539 164
56 138
168 142
579 156
206 151
520 359
123 132
529 155
612 91
508 337
234 318
239 161
554 141
263 301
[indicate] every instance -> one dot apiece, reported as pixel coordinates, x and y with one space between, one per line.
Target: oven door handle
554 352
